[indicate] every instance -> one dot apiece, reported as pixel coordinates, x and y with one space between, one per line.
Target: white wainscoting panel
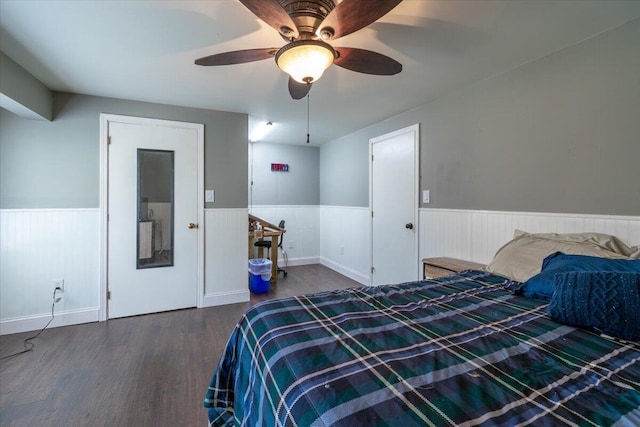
344 241
301 242
38 246
226 270
477 235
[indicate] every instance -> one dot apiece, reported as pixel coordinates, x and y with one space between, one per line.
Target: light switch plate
209 196
426 196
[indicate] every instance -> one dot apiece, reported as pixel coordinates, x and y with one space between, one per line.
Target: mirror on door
155 208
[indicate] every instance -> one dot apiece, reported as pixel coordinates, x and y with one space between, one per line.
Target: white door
152 225
394 206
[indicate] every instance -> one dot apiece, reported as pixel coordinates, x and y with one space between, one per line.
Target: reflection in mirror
155 208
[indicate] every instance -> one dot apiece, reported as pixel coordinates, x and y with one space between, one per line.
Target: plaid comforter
460 350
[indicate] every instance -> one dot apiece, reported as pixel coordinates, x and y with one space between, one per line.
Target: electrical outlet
291 244
341 250
58 283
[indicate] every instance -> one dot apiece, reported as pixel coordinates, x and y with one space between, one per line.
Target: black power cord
28 345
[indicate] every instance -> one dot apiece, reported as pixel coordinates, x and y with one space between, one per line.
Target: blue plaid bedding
460 350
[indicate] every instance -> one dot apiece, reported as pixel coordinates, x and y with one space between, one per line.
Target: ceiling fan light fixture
305 60
326 33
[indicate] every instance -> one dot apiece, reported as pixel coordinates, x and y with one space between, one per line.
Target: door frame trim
105 119
415 129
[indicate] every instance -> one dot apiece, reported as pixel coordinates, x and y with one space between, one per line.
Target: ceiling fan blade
298 90
352 15
238 56
272 12
366 61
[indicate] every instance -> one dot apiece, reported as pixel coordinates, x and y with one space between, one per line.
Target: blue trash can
259 275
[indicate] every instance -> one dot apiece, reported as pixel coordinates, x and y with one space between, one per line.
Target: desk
268 230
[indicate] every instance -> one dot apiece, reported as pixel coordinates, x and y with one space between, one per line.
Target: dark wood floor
150 370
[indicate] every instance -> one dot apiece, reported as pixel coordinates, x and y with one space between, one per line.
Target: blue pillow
541 285
604 302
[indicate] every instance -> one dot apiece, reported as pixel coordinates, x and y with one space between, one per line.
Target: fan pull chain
308 118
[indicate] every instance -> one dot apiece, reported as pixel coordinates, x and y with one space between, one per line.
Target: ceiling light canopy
305 60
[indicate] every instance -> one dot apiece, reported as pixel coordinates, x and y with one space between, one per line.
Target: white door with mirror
153 234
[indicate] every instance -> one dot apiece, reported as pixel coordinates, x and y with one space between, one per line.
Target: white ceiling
144 50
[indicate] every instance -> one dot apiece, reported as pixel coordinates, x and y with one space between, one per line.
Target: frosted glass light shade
305 60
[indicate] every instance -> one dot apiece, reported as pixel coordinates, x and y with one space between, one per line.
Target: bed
460 350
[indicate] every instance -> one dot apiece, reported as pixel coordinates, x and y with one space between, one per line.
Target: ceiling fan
307 26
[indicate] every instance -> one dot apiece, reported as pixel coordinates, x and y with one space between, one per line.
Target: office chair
267 244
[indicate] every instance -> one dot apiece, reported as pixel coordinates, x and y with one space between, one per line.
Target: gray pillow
521 258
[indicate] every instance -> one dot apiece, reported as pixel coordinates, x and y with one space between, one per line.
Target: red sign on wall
279 167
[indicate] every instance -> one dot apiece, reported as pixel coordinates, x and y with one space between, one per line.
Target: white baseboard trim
294 262
352 274
224 298
35 323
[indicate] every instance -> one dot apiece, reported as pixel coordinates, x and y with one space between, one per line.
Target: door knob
192 225
409 226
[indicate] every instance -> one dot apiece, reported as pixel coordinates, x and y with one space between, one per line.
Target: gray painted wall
559 134
299 186
56 164
344 171
24 90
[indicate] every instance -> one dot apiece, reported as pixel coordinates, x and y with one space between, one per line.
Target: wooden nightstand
439 267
